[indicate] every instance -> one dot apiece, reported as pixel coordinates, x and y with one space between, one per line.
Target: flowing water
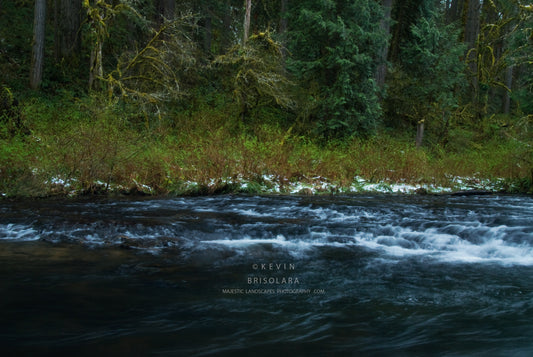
373 275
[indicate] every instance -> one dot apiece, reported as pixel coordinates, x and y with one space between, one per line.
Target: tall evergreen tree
335 47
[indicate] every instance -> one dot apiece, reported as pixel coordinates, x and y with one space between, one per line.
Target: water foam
451 243
490 246
297 248
18 232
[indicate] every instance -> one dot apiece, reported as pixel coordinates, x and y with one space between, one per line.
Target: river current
363 275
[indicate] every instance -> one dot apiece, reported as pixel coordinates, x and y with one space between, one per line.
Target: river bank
84 147
270 185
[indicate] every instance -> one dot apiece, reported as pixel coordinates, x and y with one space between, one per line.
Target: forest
204 97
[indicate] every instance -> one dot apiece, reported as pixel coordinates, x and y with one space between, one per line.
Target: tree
247 14
67 18
257 72
453 10
335 47
283 23
424 90
501 45
99 16
385 26
471 32
37 63
403 15
150 76
472 11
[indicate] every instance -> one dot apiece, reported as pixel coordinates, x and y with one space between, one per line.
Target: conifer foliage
428 77
335 47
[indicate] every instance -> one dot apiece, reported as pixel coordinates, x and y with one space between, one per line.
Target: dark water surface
378 275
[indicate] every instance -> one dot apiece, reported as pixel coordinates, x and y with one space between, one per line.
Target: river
363 275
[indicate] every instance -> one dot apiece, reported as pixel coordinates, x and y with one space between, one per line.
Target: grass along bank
82 147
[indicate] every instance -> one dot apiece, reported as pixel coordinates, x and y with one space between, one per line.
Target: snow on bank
271 184
318 185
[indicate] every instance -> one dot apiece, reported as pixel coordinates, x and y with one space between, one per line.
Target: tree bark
67 15
509 85
381 71
471 15
472 9
283 22
248 4
454 10
39 21
96 66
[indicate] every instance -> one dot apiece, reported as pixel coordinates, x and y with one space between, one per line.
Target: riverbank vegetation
301 97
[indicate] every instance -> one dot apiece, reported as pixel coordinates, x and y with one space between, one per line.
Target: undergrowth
86 145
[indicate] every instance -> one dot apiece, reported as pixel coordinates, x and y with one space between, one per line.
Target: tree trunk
419 133
67 20
381 71
39 21
472 9
247 20
97 70
471 14
283 22
509 85
454 11
403 14
95 62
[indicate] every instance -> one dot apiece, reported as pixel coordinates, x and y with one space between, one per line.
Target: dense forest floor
73 146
